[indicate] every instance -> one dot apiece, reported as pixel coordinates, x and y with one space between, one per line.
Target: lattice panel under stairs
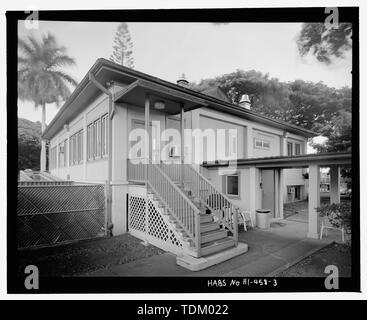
153 226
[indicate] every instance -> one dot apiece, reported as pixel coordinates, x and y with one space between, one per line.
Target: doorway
155 148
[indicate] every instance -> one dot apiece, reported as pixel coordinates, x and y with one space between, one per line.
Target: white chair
246 216
325 225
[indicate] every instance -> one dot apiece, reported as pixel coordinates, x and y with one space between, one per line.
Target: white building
89 141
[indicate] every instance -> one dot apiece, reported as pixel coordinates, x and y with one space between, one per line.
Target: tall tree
268 96
29 144
306 104
339 133
40 76
122 48
325 43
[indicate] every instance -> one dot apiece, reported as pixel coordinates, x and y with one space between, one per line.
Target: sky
200 50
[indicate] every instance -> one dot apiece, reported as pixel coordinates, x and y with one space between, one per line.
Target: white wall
204 118
89 170
274 140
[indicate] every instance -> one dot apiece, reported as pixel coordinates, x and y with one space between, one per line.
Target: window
61 154
97 133
289 149
53 155
262 144
232 143
65 152
232 185
297 149
104 134
76 148
173 152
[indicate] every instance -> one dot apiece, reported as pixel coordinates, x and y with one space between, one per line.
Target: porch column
147 133
313 201
85 142
281 187
334 184
254 184
283 144
182 123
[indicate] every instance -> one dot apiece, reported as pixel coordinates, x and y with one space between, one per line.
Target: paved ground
270 251
298 211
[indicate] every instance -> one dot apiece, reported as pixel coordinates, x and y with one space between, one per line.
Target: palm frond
36 45
23 45
61 61
66 77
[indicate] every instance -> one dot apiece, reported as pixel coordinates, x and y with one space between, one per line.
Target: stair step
217 246
214 235
206 218
208 226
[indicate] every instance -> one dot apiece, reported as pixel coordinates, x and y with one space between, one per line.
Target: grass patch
85 256
314 265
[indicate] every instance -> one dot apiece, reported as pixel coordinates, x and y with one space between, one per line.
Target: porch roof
173 99
300 161
106 72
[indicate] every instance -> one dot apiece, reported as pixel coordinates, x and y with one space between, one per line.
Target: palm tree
40 76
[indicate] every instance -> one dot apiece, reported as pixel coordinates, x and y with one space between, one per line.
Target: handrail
213 198
178 204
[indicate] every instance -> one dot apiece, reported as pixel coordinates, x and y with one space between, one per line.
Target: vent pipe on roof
182 81
245 102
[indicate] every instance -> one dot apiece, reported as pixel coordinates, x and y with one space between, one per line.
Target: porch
170 203
313 163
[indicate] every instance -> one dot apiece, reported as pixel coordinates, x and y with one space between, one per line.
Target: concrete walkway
270 251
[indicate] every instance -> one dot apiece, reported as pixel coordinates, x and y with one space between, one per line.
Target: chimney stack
245 102
182 81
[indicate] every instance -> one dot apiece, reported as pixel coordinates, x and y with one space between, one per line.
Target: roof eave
230 108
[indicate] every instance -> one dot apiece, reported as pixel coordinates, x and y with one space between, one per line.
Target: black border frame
168 284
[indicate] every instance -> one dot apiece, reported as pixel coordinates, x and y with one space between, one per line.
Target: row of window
97 134
63 153
293 149
76 148
261 144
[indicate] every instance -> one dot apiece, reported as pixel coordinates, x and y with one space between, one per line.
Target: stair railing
177 203
215 200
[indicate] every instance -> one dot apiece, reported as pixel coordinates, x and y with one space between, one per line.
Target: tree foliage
29 150
29 144
122 48
309 105
326 44
41 78
339 133
339 214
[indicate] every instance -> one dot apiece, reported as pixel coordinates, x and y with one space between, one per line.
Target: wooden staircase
200 215
213 237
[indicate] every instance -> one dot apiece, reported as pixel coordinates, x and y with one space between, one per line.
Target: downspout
111 112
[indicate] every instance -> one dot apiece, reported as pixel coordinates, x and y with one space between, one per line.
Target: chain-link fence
52 214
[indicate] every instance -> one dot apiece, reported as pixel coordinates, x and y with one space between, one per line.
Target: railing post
197 235
147 133
182 143
235 226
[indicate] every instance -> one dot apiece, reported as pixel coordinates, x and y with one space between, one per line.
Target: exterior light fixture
159 105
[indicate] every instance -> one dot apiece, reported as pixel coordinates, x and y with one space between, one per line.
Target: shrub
340 215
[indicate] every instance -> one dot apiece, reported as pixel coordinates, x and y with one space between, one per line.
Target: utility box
263 218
